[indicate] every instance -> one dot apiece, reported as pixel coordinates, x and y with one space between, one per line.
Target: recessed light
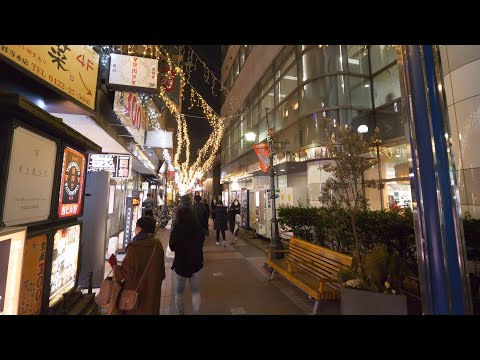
282 170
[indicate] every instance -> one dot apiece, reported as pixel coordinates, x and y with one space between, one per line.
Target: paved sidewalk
234 282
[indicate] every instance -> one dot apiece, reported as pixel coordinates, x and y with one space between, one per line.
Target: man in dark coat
138 253
220 223
201 213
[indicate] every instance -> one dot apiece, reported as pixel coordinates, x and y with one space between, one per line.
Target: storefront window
390 121
287 84
319 93
267 102
322 60
397 194
286 113
357 59
355 91
386 86
381 56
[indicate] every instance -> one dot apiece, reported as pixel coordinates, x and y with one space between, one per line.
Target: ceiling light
282 170
367 85
353 61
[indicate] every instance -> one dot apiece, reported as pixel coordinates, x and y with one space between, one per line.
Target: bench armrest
269 251
323 281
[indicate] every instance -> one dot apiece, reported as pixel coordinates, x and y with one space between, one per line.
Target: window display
30 178
33 274
12 242
64 262
71 185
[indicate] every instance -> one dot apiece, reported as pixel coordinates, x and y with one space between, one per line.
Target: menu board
32 276
30 178
71 184
64 262
119 166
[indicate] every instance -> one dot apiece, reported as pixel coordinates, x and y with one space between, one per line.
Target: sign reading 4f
71 69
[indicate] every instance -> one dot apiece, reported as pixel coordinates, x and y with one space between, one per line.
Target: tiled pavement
235 282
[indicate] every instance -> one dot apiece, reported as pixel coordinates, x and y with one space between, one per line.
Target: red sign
71 184
263 154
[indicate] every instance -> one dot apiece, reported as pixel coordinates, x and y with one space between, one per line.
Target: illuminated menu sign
32 276
65 260
119 166
71 184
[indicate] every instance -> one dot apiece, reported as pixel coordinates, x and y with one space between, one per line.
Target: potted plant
370 285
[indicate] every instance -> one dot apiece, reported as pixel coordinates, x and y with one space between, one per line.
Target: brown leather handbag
128 299
104 294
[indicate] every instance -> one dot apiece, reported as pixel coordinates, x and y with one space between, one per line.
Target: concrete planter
361 302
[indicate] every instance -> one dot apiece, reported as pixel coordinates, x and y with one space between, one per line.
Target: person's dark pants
218 235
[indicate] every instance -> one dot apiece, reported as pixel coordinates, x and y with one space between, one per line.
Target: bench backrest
325 263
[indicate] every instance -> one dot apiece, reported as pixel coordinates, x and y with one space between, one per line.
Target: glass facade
312 88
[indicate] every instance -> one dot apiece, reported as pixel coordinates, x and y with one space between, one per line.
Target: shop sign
64 262
33 274
129 109
72 69
133 71
119 166
30 178
71 184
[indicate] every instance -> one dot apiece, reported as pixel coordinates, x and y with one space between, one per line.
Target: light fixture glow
250 136
362 129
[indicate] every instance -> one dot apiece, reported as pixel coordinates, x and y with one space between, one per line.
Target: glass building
309 89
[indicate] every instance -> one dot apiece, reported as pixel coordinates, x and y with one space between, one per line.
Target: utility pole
275 243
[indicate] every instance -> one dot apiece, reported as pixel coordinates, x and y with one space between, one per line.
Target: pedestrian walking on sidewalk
201 213
220 222
186 239
236 230
143 268
234 210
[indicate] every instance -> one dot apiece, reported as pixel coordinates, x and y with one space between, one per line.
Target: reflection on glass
357 59
381 56
386 86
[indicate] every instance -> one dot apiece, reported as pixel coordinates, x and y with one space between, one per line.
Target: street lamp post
275 243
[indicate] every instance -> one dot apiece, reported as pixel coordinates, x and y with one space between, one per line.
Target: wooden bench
311 268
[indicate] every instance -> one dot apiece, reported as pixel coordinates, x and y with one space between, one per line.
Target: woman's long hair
186 217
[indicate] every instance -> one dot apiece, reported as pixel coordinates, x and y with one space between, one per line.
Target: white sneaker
217 243
224 243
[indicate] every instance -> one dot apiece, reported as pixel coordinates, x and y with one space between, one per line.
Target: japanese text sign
133 71
72 69
71 184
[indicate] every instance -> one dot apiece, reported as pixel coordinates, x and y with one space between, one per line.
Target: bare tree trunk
353 218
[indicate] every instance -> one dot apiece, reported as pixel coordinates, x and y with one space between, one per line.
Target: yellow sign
73 69
32 276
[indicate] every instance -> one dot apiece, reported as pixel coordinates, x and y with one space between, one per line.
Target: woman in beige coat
137 256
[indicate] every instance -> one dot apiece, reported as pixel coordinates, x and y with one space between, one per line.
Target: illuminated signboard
71 69
71 184
133 71
32 276
119 166
64 262
30 178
